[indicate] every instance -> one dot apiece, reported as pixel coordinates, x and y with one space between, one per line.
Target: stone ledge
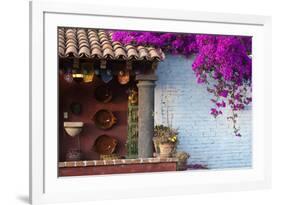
91 163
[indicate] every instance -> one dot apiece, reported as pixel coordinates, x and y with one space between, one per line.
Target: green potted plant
165 140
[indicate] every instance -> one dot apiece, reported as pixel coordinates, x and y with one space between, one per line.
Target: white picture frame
46 186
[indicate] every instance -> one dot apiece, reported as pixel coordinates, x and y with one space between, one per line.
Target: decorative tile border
88 163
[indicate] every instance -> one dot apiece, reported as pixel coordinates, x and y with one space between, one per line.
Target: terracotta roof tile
92 43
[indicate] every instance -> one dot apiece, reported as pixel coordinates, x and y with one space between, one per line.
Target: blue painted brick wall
187 104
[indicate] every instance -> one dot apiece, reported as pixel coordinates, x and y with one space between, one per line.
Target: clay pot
123 77
182 165
166 150
105 145
103 94
182 160
104 119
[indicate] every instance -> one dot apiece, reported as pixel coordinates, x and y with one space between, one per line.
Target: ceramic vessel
166 150
73 128
104 119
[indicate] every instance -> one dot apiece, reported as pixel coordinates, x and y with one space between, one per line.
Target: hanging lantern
88 72
88 77
123 77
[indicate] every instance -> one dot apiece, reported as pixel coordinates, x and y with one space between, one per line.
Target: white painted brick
209 141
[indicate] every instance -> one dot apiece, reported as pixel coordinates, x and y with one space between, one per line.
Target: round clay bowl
105 145
103 94
104 119
73 128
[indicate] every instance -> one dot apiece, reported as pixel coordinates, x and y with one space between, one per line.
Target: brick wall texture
184 104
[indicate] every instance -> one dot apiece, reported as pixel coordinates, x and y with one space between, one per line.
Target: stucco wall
209 141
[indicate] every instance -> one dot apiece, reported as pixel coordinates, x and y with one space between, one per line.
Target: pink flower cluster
222 62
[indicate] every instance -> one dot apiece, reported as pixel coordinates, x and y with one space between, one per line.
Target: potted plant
165 140
182 160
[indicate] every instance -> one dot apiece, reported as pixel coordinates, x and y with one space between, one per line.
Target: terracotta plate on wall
105 145
104 119
103 94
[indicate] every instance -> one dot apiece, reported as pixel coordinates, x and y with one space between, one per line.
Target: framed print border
46 186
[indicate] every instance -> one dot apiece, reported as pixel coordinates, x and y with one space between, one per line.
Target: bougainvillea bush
221 62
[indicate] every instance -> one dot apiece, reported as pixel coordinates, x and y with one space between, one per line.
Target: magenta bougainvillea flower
222 62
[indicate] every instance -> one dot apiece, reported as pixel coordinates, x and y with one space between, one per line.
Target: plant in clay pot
165 140
182 160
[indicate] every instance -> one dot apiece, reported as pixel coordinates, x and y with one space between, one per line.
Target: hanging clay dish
123 77
103 94
104 119
105 145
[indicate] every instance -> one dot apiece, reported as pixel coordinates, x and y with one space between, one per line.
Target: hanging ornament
88 72
123 77
106 76
88 77
68 76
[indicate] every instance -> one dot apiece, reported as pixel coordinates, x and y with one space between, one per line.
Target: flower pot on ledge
166 149
182 160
